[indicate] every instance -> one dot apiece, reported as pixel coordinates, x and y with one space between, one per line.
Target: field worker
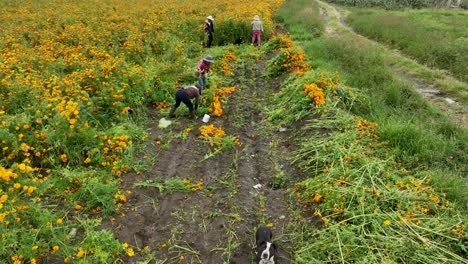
203 67
185 94
209 28
257 29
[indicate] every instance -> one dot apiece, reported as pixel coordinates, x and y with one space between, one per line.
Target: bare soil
218 223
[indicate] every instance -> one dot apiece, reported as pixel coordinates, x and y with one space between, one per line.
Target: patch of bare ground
456 111
216 224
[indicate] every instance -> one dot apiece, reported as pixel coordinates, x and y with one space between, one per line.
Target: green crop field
319 133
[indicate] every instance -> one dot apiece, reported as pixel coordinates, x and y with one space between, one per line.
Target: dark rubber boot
192 115
171 113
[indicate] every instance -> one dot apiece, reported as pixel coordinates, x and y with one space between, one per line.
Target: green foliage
95 194
302 18
42 235
278 64
230 32
388 100
453 186
367 201
410 32
169 186
291 103
396 4
366 65
97 246
290 97
377 186
415 144
279 180
94 190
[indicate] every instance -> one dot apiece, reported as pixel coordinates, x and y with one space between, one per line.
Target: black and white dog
265 250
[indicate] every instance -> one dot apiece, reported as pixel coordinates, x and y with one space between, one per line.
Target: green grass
411 31
363 66
387 182
298 19
396 4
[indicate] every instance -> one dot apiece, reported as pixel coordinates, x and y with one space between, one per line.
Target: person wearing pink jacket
257 29
203 67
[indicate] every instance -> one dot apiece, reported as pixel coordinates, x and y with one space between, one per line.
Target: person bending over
185 94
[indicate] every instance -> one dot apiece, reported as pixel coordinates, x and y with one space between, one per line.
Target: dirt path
216 224
431 90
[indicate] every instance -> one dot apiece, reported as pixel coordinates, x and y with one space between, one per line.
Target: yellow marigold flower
315 93
318 213
17 185
59 221
25 168
63 158
80 253
35 247
125 245
130 252
317 198
270 225
78 207
387 222
125 109
56 248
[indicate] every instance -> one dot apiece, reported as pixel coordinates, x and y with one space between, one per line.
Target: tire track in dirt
218 223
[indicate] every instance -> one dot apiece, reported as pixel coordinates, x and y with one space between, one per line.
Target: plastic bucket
206 118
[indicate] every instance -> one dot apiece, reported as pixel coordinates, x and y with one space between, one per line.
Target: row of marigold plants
74 80
370 208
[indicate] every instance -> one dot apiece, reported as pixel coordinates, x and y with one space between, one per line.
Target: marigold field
71 75
77 79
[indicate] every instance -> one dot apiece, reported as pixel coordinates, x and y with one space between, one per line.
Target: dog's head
266 252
